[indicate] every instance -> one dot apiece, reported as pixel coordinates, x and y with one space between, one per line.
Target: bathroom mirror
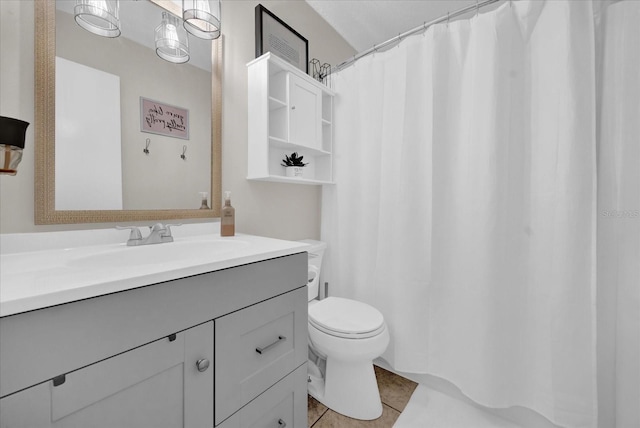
164 183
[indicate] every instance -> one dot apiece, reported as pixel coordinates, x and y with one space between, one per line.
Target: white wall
269 209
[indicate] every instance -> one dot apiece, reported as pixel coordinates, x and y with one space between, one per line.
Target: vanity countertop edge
40 279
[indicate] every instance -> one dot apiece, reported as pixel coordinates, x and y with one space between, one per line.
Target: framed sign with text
275 36
163 119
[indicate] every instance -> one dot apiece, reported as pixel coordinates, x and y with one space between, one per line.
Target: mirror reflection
132 130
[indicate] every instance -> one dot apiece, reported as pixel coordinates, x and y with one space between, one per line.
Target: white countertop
39 271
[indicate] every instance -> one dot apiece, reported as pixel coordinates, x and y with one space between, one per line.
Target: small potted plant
293 165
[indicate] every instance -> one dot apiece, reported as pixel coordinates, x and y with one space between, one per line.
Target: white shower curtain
619 218
465 204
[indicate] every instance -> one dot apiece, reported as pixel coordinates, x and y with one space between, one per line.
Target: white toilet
344 337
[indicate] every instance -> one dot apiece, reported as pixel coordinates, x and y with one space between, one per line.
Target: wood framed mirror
48 209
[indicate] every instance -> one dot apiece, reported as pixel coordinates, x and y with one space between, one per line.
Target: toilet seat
346 318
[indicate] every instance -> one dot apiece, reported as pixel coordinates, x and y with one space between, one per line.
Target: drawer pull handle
281 423
59 380
260 350
202 364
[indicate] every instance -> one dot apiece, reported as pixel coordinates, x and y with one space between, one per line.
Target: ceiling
364 23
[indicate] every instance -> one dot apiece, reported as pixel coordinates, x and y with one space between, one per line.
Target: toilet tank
316 251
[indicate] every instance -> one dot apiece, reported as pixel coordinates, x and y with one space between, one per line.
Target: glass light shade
202 18
172 41
12 134
101 17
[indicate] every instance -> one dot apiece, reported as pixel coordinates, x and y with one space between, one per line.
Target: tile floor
395 392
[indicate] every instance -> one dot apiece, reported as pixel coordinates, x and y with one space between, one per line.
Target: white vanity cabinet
153 356
288 112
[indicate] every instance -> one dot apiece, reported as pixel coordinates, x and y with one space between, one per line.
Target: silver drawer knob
202 364
281 423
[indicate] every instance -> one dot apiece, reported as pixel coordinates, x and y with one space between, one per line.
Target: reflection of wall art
163 119
274 35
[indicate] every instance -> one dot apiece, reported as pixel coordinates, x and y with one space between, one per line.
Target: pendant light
202 18
172 42
101 17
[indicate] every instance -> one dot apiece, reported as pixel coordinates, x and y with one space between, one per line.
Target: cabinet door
155 385
305 113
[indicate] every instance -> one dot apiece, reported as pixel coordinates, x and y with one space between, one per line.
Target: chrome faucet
158 233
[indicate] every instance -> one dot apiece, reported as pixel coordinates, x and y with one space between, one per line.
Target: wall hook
184 151
146 147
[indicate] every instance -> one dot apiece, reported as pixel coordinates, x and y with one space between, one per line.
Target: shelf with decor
289 112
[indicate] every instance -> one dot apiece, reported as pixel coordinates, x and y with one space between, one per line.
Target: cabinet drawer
282 405
256 347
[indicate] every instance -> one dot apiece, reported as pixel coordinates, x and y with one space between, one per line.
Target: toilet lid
346 318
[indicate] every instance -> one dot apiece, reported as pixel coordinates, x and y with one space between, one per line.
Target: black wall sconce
12 133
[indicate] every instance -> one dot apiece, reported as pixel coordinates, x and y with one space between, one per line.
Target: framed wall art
276 36
163 119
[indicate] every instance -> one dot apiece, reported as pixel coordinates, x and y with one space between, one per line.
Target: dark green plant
293 160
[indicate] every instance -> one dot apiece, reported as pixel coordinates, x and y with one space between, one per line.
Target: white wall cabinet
288 112
113 361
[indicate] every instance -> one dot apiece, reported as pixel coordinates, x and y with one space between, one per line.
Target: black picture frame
276 36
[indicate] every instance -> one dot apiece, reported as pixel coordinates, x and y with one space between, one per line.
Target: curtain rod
415 30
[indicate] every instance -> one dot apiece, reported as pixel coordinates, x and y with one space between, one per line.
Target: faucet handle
158 227
168 227
135 232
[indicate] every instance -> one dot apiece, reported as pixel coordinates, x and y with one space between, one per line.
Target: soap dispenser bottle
227 217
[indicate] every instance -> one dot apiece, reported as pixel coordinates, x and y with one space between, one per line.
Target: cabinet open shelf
275 103
291 180
288 112
291 147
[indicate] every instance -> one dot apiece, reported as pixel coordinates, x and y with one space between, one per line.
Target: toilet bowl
345 336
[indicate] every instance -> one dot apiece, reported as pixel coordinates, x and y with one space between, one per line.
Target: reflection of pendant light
172 43
100 17
202 18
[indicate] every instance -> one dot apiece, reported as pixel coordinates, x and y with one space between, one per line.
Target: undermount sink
158 254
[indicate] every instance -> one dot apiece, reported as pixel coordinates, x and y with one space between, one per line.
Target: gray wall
269 209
